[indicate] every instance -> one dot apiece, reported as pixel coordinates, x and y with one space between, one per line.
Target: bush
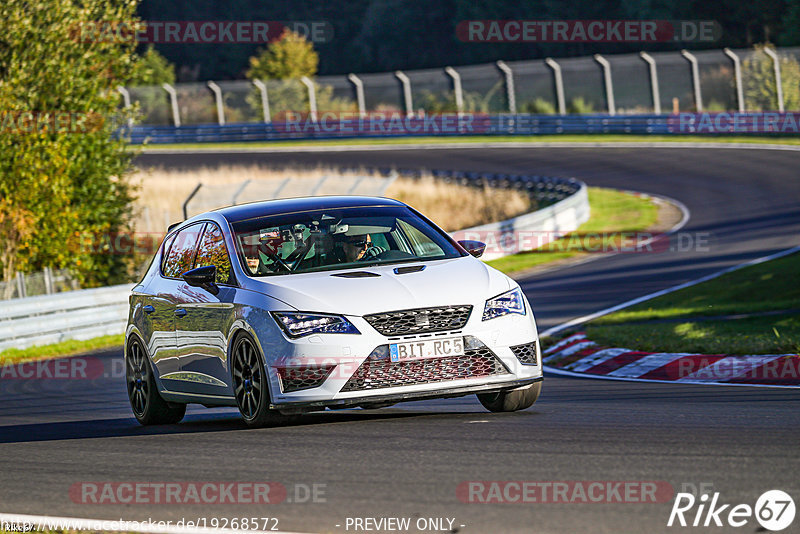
538 106
579 106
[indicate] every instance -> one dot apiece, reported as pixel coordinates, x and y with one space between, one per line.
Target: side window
212 251
423 245
181 251
165 252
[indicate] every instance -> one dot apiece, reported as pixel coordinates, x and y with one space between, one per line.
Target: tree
287 57
63 172
152 69
760 90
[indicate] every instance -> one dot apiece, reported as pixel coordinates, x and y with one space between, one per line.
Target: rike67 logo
774 510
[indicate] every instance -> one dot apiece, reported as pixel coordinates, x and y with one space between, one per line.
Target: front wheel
250 385
512 400
148 406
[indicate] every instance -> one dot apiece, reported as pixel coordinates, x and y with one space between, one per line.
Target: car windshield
338 238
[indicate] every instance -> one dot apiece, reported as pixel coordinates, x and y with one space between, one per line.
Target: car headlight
505 303
304 324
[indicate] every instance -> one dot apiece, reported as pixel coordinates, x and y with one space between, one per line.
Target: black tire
147 405
251 384
511 401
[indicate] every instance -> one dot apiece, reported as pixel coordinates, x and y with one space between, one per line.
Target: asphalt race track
408 460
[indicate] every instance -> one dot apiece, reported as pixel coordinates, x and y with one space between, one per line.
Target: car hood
463 280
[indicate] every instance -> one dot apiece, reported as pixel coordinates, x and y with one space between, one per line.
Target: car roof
265 208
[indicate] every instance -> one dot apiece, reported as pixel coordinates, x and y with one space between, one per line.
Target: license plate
429 348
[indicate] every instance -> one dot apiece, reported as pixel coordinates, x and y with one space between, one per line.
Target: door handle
180 312
148 309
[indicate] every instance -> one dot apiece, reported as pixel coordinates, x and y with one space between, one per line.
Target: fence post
312 97
509 77
737 75
612 108
359 85
218 98
188 199
698 97
126 96
280 188
264 100
238 192
318 185
393 175
21 285
559 81
126 101
653 81
48 281
776 63
353 187
400 75
456 89
173 98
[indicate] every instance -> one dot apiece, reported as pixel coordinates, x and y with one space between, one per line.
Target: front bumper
392 398
342 355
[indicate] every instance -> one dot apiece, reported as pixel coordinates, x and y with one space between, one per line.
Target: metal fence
47 319
46 282
712 80
206 197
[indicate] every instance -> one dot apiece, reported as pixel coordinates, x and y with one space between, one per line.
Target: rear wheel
147 405
511 400
250 385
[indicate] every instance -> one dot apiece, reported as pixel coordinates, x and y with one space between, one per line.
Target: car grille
420 320
299 378
376 374
525 353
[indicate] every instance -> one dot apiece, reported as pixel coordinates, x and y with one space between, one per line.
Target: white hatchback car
288 306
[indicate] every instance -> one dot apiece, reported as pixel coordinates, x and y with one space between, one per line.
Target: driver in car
355 247
358 248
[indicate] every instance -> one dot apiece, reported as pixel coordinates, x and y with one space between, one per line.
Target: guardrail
446 125
454 125
89 313
47 319
532 230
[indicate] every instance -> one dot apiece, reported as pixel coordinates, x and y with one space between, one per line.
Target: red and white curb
577 355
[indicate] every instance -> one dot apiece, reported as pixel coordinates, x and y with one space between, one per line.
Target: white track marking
563 372
570 350
564 342
729 368
648 363
595 359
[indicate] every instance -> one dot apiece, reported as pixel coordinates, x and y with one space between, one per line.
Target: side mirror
475 248
203 277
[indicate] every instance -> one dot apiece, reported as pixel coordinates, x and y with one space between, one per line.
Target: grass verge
612 213
58 350
750 311
572 138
